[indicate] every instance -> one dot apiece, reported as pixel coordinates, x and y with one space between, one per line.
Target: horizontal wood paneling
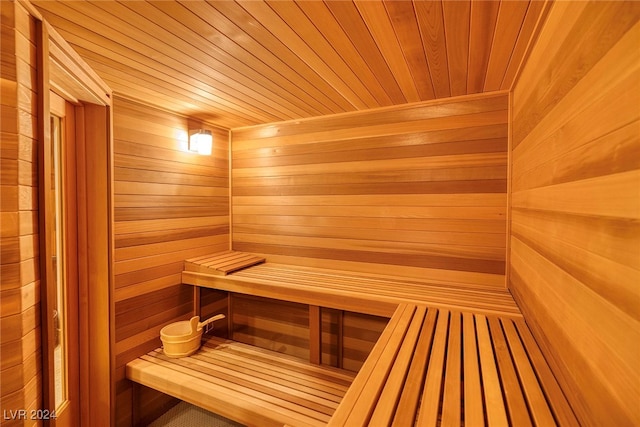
276 325
169 205
214 302
360 332
575 257
347 338
20 343
257 62
421 188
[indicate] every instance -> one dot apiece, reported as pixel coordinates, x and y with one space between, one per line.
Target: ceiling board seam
327 107
424 52
386 64
241 72
446 46
493 39
389 100
314 57
310 48
524 20
133 58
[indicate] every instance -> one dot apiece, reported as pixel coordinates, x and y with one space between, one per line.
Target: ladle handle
209 320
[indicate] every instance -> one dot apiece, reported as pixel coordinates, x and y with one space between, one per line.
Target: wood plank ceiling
249 62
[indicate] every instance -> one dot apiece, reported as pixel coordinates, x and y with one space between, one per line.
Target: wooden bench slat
198 259
222 263
537 402
365 405
287 396
251 386
408 406
367 293
494 404
516 405
246 408
223 259
402 290
308 294
234 263
292 366
390 397
444 296
562 412
272 384
352 279
267 397
399 321
289 366
451 404
277 375
473 406
429 408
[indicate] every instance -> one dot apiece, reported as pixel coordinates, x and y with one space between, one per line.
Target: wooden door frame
60 68
69 232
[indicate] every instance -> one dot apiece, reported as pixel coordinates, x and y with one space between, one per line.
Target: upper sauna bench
351 291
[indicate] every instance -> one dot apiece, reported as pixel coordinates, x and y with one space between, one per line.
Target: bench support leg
315 334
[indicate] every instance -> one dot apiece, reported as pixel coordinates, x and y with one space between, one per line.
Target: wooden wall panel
360 334
214 302
20 345
347 338
170 205
575 233
420 190
272 324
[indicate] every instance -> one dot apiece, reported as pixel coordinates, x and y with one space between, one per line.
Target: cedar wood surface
249 62
584 247
418 190
575 252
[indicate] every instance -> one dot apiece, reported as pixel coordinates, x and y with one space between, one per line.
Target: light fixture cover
201 141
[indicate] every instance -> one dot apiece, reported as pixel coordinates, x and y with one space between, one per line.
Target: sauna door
61 274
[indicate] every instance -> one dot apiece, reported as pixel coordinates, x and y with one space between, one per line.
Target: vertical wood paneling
482 24
169 205
504 40
380 25
431 22
357 32
420 188
20 369
576 204
456 26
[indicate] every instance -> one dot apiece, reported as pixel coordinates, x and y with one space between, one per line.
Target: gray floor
186 415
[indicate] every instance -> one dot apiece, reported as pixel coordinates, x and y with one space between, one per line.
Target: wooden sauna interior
473 147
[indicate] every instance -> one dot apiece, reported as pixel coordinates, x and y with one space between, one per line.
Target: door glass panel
58 264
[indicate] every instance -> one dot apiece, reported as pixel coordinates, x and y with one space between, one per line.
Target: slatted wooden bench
351 291
451 355
247 384
429 367
439 367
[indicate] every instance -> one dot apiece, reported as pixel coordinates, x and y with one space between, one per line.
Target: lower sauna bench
247 384
430 367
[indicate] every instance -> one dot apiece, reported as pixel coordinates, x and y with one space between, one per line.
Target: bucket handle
197 326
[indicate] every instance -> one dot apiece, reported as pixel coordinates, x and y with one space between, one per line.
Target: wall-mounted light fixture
200 141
